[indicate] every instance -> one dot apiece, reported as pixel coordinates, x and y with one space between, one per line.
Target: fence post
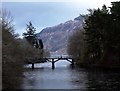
72 62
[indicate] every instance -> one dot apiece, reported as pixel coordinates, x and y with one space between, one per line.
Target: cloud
42 0
46 14
59 1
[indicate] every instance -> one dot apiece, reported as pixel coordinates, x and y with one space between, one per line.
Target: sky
47 13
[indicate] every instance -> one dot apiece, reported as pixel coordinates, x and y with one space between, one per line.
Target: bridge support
53 60
32 65
72 62
53 64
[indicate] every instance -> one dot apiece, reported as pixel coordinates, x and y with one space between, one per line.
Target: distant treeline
98 43
15 52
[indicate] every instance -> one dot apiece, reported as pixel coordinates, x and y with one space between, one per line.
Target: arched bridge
53 60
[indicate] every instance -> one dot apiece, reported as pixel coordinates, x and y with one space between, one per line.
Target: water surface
66 77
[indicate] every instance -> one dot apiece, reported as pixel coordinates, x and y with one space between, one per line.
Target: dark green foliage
30 35
32 39
115 9
38 43
93 34
30 30
102 36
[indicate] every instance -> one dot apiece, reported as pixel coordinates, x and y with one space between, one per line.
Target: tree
12 55
30 34
32 37
115 15
76 46
35 43
38 43
94 29
102 35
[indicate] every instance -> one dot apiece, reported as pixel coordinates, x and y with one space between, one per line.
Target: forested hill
55 38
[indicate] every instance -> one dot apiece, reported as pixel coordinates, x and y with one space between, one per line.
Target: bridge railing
44 59
59 56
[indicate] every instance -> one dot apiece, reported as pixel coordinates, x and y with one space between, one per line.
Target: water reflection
104 79
65 77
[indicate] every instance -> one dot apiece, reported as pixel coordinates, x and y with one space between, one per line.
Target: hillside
55 38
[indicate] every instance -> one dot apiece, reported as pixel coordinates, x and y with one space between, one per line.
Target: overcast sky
48 13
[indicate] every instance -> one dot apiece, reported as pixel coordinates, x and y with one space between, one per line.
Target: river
66 77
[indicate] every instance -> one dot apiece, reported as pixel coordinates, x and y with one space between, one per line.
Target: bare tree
12 55
76 45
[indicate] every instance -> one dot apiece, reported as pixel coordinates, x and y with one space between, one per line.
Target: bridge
53 60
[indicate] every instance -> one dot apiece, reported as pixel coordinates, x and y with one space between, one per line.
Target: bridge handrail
59 56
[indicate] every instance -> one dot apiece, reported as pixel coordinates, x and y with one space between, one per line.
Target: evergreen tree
30 34
94 29
101 37
102 34
115 14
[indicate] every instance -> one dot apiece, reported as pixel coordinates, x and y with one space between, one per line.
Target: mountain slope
55 38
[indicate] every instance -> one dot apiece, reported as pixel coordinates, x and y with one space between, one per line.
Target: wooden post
53 64
32 65
72 62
